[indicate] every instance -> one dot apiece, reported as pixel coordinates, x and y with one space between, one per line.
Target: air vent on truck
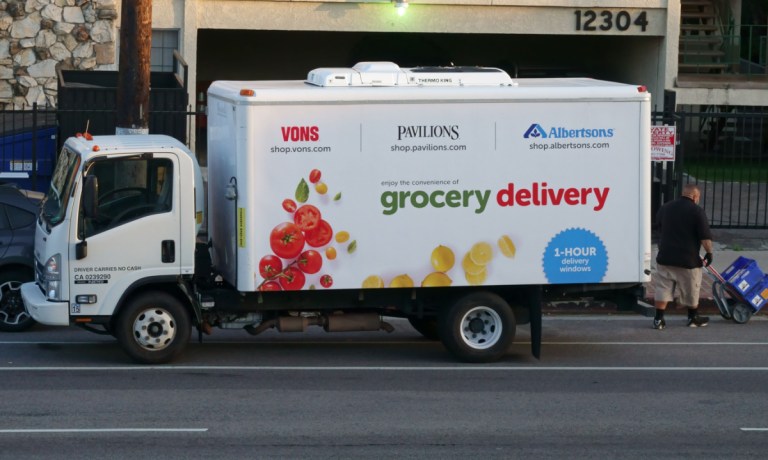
390 74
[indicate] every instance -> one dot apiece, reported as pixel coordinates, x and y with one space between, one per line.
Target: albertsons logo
535 131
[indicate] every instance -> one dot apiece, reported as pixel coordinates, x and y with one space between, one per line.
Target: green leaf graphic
302 191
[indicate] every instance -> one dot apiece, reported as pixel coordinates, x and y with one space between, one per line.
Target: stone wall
38 37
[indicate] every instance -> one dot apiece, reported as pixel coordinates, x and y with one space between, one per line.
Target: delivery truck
457 198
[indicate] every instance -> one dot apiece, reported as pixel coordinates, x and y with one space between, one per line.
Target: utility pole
134 67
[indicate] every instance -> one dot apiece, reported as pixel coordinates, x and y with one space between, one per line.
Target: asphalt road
606 387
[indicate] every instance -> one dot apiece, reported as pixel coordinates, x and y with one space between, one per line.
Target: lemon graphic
342 236
507 247
471 267
373 282
436 279
401 281
442 258
476 279
481 253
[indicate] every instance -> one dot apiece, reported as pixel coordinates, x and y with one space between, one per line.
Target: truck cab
122 214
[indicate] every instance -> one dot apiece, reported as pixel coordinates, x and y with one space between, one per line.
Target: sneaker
659 324
698 321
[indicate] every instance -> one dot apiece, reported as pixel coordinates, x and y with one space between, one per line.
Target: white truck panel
559 166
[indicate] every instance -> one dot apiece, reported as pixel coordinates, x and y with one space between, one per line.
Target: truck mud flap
535 309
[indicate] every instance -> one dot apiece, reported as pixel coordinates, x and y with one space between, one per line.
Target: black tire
153 328
426 326
478 328
13 315
741 313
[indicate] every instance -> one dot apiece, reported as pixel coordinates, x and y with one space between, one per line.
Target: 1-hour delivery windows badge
535 131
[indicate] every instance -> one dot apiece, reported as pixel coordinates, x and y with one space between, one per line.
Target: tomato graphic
307 217
286 240
320 235
314 176
270 266
310 261
330 253
289 205
326 281
270 286
292 279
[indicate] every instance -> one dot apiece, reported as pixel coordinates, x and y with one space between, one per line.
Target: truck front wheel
478 328
153 328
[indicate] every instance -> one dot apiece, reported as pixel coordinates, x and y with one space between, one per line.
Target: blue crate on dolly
758 296
743 275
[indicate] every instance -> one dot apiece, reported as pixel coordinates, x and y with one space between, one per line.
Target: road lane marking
468 368
407 342
104 430
754 429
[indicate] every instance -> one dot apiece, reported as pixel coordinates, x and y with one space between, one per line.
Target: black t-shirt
683 225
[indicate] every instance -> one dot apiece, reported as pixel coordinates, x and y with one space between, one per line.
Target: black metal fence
722 149
725 151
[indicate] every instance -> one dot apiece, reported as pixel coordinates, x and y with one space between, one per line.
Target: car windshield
54 205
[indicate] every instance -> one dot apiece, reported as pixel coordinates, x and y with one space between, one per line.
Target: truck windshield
54 205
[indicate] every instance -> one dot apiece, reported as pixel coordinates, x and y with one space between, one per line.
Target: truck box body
559 166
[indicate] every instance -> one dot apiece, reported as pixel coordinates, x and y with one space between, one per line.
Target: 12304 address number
591 20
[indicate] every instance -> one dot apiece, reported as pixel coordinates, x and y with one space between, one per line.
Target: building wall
39 37
641 53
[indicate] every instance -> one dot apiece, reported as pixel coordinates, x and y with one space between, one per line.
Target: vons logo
535 131
300 133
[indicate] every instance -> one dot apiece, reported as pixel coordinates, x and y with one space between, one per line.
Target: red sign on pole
662 143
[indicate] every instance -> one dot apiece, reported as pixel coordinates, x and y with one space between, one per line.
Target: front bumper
43 310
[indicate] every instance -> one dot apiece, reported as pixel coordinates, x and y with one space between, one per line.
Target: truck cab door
132 237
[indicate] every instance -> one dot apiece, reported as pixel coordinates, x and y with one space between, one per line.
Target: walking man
684 230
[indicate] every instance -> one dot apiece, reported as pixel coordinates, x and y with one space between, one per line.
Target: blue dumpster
19 164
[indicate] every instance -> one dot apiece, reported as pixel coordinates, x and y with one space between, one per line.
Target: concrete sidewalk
729 245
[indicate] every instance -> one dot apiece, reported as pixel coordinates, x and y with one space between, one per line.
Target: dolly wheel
741 313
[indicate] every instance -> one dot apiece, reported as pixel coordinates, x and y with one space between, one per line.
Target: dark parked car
17 239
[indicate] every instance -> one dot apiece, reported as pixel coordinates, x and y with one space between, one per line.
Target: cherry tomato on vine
289 205
270 266
292 279
286 240
310 261
320 235
326 281
270 286
307 217
314 175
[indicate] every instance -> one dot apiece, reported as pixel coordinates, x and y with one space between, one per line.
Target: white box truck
458 198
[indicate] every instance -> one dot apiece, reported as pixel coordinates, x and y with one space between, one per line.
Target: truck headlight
52 277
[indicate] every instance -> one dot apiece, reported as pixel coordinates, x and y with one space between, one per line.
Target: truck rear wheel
153 328
478 328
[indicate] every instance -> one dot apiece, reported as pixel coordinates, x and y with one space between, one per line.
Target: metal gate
724 151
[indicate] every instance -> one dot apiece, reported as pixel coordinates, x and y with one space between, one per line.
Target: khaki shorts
675 283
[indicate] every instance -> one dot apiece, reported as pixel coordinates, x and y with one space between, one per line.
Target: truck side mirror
90 199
